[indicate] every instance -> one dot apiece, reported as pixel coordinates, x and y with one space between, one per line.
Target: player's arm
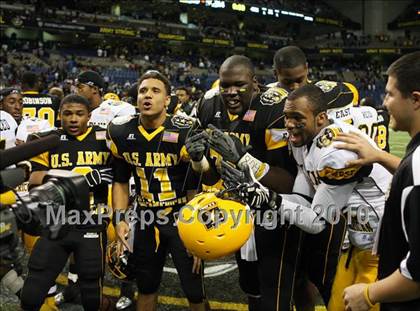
367 153
120 199
295 208
40 166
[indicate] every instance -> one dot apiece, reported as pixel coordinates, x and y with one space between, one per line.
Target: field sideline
398 142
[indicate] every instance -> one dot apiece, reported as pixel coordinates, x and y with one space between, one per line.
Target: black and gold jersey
80 154
261 126
42 106
156 158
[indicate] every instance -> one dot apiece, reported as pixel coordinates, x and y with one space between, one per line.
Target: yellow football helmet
118 265
212 227
111 96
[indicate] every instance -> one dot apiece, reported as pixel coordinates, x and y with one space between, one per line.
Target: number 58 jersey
156 158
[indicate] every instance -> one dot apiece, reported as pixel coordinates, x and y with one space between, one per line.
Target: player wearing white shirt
357 192
8 128
10 115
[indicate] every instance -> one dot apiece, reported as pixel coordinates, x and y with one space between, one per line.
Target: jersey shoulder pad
326 137
123 119
273 96
325 85
182 121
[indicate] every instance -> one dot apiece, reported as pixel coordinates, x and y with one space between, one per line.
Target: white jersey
8 128
31 125
364 118
108 110
356 191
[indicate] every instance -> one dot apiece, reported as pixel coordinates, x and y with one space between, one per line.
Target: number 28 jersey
156 158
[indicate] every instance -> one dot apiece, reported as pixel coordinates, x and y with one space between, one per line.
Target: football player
83 150
35 104
91 85
291 71
11 102
356 192
253 114
150 146
10 110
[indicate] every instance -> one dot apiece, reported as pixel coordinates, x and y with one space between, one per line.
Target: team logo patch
100 135
32 128
273 96
182 121
249 115
326 86
170 137
131 137
326 139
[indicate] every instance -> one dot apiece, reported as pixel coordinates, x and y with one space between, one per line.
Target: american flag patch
249 115
32 128
100 135
170 137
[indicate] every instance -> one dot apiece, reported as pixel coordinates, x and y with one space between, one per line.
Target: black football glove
249 190
228 146
97 177
196 145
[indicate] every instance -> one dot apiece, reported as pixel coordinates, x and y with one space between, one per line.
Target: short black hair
29 79
75 99
154 74
289 57
239 60
184 88
406 70
316 97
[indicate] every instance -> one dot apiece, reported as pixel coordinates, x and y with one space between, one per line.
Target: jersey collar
83 136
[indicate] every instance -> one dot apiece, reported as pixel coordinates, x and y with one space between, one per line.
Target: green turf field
398 142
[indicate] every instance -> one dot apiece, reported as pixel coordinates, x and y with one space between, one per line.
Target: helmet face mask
118 265
212 227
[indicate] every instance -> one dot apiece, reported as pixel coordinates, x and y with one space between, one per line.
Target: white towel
249 249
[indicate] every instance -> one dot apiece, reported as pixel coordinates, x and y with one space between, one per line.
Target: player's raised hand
196 145
228 146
